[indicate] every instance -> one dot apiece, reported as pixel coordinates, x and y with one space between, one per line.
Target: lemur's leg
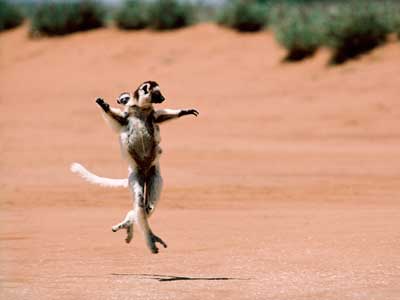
136 183
114 116
163 115
154 183
128 222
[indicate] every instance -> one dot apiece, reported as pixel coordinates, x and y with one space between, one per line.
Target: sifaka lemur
139 136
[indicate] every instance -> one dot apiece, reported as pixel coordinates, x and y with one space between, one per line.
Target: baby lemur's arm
163 115
114 116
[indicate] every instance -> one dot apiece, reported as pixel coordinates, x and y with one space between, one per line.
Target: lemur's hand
104 105
189 112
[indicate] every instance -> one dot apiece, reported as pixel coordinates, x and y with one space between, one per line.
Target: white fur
168 111
92 178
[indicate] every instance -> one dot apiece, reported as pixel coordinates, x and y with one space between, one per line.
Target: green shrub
10 16
392 16
132 15
300 29
243 15
355 28
205 11
169 14
396 28
59 18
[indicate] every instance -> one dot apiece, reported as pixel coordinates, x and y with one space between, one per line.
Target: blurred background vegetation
349 28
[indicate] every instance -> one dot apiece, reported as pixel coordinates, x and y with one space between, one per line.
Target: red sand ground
285 187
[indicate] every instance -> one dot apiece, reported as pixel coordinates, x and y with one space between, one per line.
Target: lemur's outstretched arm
114 116
163 115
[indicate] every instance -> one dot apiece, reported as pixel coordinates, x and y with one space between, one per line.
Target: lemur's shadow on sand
165 278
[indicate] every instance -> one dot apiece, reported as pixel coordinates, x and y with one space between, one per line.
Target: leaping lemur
139 135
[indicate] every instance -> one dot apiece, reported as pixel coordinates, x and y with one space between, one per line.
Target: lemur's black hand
189 112
104 105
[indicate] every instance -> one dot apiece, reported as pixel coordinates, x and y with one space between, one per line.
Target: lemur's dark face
156 96
147 93
144 96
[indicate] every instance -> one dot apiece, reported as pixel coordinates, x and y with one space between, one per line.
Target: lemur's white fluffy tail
92 178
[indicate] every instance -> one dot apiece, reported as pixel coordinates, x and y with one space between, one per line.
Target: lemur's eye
124 100
145 89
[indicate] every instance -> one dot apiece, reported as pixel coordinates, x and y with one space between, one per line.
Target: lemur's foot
104 105
116 228
151 242
119 226
129 232
189 112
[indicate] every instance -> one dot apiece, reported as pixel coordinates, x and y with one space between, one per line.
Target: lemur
139 136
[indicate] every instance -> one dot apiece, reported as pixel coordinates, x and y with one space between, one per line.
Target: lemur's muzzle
156 97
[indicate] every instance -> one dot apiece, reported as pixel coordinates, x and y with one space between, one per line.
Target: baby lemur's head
144 96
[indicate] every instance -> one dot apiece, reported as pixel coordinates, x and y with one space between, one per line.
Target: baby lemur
139 135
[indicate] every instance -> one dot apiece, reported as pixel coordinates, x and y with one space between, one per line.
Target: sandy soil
285 187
